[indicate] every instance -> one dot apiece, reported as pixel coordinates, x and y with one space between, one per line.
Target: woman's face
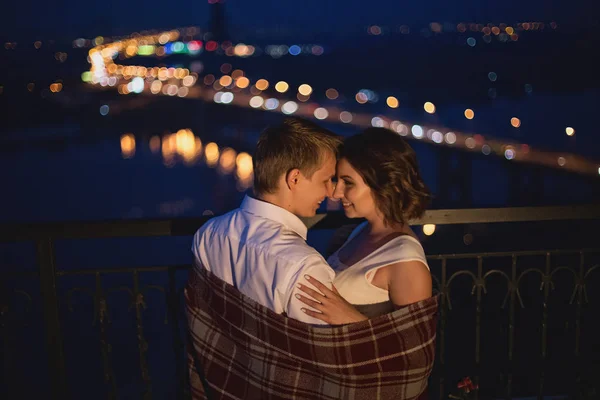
356 196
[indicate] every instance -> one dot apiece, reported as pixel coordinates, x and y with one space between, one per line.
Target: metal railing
466 282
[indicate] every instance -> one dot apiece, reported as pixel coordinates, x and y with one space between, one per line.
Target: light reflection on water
139 174
184 146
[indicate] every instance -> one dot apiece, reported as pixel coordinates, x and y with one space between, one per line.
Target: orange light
131 50
282 86
515 122
127 145
469 114
242 82
305 89
262 84
56 87
211 154
429 107
361 98
227 160
225 80
155 144
243 163
392 102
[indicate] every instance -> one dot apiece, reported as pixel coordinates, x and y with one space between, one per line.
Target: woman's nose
338 193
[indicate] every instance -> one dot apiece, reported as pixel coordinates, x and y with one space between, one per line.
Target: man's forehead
327 168
331 164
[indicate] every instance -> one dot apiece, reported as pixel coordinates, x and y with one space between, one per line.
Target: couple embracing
269 317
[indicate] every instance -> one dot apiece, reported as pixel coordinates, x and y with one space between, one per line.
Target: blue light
271 104
471 42
377 122
104 110
295 50
372 97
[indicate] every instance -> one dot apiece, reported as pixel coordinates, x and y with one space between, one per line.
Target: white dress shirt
261 249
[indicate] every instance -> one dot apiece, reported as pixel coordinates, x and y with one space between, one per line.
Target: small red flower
467 385
465 382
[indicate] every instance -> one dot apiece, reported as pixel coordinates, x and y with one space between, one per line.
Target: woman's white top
354 281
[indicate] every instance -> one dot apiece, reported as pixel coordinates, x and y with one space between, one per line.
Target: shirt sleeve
198 250
316 267
196 246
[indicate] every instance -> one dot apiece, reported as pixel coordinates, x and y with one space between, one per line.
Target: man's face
310 192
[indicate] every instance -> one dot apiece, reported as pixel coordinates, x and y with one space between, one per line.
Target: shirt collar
275 213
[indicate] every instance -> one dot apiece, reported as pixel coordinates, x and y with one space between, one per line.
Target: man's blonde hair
296 143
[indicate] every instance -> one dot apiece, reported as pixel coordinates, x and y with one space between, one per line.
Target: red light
211 45
195 45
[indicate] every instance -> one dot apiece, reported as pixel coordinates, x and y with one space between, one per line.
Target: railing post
513 287
546 284
178 347
479 287
5 337
54 339
139 304
443 317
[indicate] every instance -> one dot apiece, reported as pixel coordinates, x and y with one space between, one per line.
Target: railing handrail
187 226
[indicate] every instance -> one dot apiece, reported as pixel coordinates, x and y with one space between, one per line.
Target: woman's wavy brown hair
389 167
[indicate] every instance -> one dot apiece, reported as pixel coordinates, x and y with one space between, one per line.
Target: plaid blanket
242 350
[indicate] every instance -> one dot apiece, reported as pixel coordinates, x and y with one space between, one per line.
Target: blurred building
217 23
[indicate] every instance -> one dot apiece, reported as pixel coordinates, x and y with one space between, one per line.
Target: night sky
300 18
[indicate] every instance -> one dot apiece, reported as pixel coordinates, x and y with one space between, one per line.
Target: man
260 248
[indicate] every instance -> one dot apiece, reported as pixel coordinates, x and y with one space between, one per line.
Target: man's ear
292 177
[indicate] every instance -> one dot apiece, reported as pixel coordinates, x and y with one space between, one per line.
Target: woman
382 265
